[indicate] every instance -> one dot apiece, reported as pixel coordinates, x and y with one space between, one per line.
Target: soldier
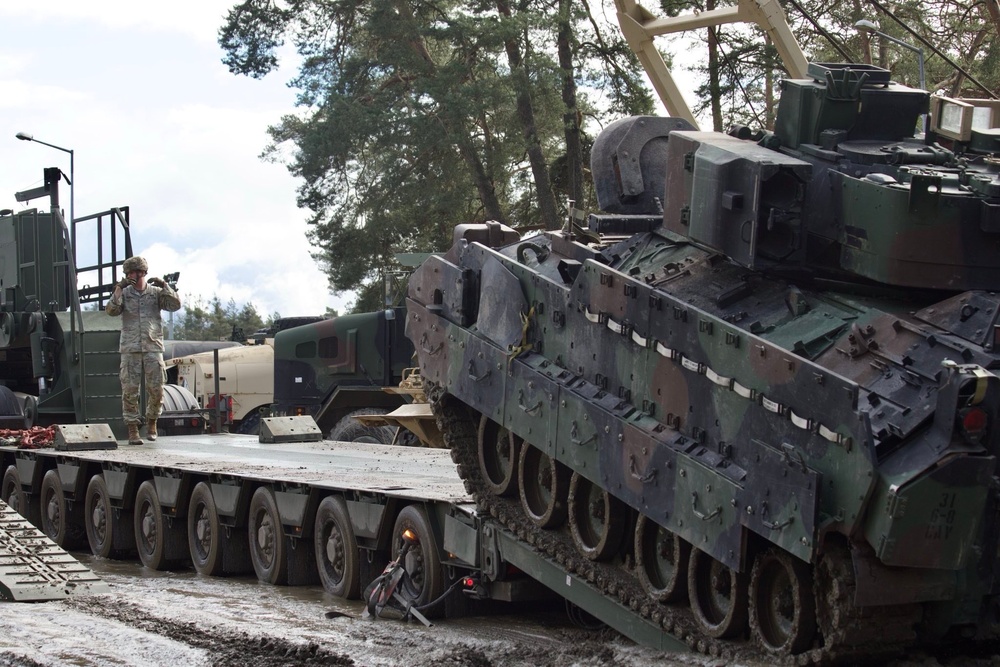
139 303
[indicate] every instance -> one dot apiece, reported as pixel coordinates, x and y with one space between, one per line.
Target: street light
24 136
867 26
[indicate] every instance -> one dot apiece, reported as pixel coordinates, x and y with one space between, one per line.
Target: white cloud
198 19
158 124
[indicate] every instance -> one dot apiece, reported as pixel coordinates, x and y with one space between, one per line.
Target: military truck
755 395
235 385
59 355
352 374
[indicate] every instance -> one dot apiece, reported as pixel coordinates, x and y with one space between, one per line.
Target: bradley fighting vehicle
756 396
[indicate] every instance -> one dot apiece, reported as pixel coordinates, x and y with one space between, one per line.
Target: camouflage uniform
142 346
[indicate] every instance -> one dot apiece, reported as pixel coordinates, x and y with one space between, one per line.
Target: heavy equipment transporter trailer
297 513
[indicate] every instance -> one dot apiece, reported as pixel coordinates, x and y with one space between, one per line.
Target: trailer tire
250 425
425 582
337 558
16 498
204 531
103 530
62 525
267 538
349 429
158 543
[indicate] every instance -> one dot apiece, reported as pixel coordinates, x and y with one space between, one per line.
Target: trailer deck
324 512
405 472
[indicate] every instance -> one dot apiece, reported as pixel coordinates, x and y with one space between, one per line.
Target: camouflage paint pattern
141 346
736 376
327 368
136 367
142 323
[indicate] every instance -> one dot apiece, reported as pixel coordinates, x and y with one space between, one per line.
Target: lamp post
867 26
24 136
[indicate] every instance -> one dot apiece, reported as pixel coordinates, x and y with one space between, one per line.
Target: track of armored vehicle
754 398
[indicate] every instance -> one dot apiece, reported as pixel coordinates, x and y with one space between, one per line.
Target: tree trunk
571 115
713 73
456 130
526 114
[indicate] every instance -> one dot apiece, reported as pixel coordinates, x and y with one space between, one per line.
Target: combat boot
151 429
133 435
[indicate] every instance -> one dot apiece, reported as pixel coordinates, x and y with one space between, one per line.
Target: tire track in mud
225 648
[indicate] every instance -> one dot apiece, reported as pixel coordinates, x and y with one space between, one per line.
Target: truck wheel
337 558
250 424
105 534
422 563
63 526
267 538
10 406
349 429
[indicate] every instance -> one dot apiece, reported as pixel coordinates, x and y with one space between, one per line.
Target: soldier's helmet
135 264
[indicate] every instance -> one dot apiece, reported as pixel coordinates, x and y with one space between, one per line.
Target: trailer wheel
337 558
349 429
422 563
158 543
104 532
15 497
204 531
63 526
267 538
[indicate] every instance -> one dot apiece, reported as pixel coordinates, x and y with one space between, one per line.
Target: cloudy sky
157 123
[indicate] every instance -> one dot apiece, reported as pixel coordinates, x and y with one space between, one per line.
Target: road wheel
349 429
499 450
718 596
597 519
543 486
337 558
109 531
267 538
661 559
422 563
63 526
782 608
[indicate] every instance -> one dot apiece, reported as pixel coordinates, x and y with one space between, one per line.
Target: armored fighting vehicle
756 396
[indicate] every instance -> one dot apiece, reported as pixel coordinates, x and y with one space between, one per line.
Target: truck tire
349 429
250 424
10 406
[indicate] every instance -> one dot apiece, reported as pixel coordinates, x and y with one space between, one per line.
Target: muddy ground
179 619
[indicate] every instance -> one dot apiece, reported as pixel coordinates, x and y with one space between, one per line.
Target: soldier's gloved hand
158 282
125 282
